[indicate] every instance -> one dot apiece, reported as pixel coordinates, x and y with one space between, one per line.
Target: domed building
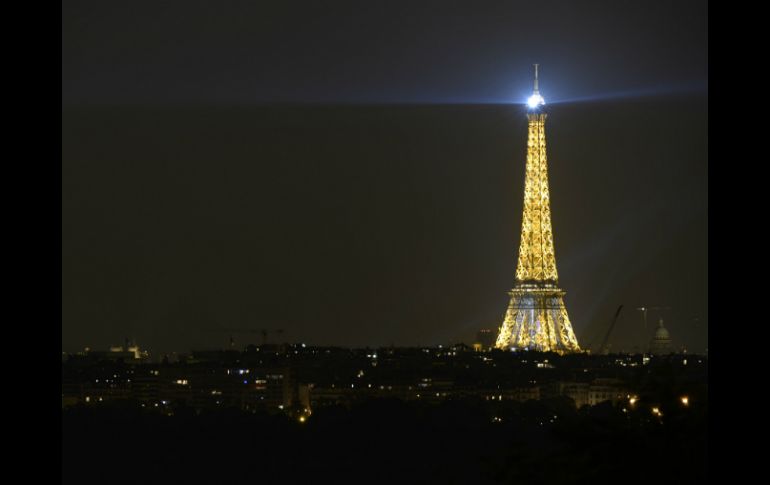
661 342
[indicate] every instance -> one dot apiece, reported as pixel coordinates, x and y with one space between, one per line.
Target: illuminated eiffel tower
536 318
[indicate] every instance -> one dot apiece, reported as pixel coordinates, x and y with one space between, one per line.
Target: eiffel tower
536 318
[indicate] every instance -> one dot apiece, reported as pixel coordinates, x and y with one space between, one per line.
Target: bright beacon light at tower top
535 100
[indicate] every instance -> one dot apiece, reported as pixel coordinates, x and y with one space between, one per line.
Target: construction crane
603 347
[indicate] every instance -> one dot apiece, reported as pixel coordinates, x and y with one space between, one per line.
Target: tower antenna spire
535 101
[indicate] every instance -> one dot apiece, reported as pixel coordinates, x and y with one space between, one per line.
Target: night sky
353 172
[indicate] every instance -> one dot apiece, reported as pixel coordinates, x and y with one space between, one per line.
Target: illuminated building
661 342
536 318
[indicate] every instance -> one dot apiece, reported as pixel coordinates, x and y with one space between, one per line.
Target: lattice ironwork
536 318
537 261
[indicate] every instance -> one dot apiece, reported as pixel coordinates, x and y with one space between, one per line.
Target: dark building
485 339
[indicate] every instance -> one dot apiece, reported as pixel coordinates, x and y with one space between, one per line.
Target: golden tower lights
536 318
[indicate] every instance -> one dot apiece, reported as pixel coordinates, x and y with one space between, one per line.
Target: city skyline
310 242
